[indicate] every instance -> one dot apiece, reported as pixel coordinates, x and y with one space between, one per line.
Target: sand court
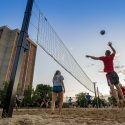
73 116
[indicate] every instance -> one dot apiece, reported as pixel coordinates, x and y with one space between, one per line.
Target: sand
76 116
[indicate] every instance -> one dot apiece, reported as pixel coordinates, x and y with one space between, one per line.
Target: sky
78 23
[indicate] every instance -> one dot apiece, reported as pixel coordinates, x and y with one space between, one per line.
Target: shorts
112 78
57 89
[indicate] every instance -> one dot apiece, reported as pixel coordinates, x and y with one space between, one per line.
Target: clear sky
78 23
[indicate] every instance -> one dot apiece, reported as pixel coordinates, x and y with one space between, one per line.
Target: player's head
58 72
55 75
107 52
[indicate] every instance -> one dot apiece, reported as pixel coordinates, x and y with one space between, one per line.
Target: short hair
108 52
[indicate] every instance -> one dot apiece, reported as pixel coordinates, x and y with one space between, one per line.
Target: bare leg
114 93
42 104
16 107
61 102
122 101
54 95
120 92
47 104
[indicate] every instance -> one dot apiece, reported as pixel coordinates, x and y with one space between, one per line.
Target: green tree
96 102
27 101
81 99
43 90
112 101
3 93
33 98
36 98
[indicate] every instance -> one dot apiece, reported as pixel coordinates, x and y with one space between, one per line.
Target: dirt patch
69 116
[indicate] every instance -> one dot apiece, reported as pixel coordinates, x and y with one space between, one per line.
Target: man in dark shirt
88 98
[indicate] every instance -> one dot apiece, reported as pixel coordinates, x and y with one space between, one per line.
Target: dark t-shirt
88 97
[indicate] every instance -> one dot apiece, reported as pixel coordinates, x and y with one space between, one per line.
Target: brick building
8 41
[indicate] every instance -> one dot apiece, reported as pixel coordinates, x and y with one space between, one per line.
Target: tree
96 102
34 97
3 93
112 101
43 90
27 101
81 99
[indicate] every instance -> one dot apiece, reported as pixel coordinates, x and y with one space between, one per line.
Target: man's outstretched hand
87 56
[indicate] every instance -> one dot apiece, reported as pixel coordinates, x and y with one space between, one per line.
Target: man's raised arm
110 45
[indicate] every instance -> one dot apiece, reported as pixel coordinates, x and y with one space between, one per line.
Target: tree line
34 97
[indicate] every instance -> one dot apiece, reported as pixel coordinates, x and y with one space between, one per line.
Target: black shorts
89 102
112 78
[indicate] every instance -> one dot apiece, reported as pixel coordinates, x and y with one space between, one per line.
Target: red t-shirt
123 90
108 62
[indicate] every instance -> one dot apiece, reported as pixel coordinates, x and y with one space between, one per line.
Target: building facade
8 42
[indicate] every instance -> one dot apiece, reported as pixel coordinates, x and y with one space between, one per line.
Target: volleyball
102 32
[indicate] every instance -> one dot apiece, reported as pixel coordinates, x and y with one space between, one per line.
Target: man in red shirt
111 75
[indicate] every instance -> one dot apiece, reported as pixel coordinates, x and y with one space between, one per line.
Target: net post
97 105
14 78
38 28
